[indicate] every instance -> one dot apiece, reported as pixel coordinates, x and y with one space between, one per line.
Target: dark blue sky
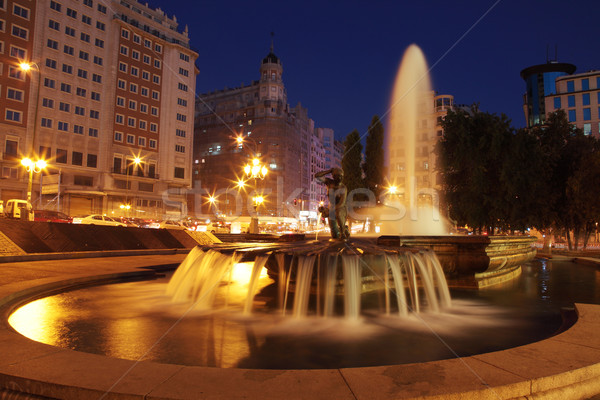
340 57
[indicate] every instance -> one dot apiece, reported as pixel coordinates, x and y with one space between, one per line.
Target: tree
470 160
373 166
351 162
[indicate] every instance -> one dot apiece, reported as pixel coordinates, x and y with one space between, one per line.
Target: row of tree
546 177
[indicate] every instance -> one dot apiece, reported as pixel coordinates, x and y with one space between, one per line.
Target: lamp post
32 167
136 162
254 170
240 184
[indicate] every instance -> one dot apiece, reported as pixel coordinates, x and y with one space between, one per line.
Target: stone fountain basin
470 255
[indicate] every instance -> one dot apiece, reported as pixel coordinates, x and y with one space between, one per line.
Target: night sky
340 57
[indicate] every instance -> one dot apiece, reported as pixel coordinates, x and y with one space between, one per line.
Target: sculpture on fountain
336 193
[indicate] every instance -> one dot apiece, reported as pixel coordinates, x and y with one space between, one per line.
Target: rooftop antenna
272 36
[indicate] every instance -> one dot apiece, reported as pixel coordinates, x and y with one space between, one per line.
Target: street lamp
212 200
240 184
136 162
32 167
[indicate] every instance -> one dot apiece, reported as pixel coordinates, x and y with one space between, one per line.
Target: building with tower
235 126
108 103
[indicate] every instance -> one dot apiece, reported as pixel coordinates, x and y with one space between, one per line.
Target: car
51 216
217 227
169 224
97 219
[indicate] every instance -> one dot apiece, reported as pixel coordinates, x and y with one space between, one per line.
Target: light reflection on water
135 320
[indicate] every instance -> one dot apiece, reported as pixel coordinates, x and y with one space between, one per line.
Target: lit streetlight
135 162
32 167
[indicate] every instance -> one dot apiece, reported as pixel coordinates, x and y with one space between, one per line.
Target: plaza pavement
566 366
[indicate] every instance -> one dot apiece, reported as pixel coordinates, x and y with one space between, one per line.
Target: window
147 43
53 25
46 122
131 122
61 156
141 141
183 87
46 102
152 143
14 94
144 91
63 126
572 116
132 104
182 102
135 54
120 101
137 38
585 99
100 25
77 158
124 33
184 57
86 20
154 111
83 180
78 129
71 13
18 52
70 31
145 75
85 37
183 72
133 88
102 8
53 44
179 172
79 110
585 84
66 107
146 59
65 87
179 148
180 132
143 108
94 114
95 96
67 69
124 50
155 95
49 83
98 60
121 84
158 48
20 11
153 127
587 114
81 92
587 129
93 132
181 117
143 125
92 160
118 136
97 78
55 6
570 86
123 67
88 3
156 79
157 63
130 139
82 73
69 50
20 32
119 119
50 63
571 101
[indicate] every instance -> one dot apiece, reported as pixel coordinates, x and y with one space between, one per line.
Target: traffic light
295 202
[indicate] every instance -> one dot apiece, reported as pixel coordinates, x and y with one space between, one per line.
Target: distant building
579 96
278 135
109 103
541 82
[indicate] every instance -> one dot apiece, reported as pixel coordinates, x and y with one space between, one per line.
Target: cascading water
325 278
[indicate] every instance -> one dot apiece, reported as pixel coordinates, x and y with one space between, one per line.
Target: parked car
97 219
51 216
18 209
169 224
217 227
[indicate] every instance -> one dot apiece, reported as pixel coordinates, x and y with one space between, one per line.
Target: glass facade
572 116
585 98
587 114
570 86
585 84
571 101
557 103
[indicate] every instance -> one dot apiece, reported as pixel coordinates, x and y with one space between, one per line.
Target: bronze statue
336 193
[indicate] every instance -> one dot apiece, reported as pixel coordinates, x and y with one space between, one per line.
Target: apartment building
108 103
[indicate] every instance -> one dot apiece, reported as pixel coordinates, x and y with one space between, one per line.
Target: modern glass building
541 82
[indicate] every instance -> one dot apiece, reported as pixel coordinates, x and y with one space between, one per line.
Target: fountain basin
470 255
